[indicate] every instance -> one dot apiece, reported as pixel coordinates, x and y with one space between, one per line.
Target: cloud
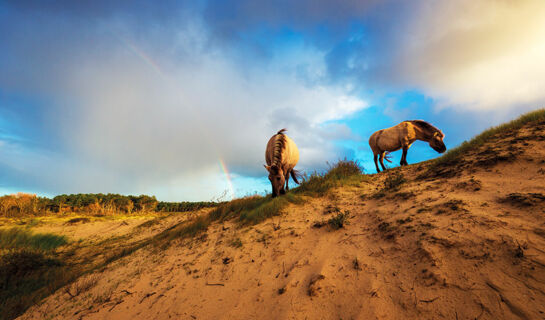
136 112
128 97
484 55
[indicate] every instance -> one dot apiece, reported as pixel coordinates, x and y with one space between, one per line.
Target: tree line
29 204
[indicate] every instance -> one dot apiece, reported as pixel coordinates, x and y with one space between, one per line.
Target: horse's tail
387 156
282 131
295 174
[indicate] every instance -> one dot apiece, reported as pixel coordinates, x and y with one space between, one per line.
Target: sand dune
464 240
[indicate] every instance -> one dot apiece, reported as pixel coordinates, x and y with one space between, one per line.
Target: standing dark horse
402 136
281 156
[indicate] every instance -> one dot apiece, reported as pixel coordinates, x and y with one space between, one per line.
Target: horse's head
276 176
436 142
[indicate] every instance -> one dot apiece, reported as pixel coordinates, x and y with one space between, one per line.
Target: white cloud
477 54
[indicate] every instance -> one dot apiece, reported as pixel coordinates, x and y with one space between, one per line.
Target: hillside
461 237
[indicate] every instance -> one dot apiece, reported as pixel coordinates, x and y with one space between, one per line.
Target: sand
466 242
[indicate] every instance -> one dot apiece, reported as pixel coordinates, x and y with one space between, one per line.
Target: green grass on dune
341 173
253 210
18 238
29 269
486 135
26 276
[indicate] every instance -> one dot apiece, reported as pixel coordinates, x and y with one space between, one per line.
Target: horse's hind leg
376 162
404 157
382 160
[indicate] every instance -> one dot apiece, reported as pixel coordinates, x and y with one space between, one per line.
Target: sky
178 99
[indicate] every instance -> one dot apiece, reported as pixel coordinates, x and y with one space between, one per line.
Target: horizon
179 101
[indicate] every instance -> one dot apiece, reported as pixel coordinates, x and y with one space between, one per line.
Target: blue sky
133 97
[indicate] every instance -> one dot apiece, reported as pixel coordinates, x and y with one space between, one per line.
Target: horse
402 136
281 156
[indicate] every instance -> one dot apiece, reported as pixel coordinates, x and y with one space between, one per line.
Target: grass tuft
339 221
394 181
342 172
485 136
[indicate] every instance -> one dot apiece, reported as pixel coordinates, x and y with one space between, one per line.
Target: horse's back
289 154
292 153
389 139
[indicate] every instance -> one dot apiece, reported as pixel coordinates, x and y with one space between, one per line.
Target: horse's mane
279 145
424 125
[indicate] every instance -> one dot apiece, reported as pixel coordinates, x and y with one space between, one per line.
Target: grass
254 209
17 238
29 271
341 173
186 229
339 221
26 276
236 243
486 135
394 181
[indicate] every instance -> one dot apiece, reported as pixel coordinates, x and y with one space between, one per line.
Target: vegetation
318 184
28 269
394 181
254 209
22 204
454 154
26 276
17 238
339 221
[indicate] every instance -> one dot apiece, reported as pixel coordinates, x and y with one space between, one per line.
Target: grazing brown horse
281 156
402 136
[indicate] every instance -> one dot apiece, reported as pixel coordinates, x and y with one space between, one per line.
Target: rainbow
134 49
228 177
155 66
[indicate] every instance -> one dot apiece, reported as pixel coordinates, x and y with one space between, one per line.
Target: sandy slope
462 242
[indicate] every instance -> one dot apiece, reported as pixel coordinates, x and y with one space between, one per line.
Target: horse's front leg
287 180
376 162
